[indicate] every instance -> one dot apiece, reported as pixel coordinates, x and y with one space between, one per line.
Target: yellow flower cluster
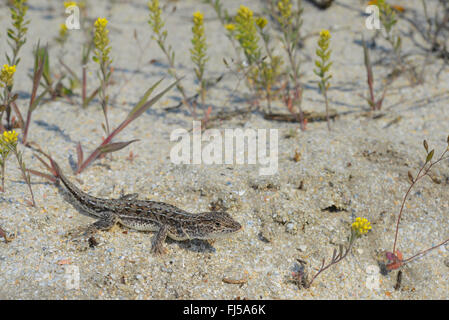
62 30
101 23
198 51
325 35
10 137
261 22
81 4
323 64
361 226
198 18
101 40
155 16
230 27
245 13
285 9
247 33
70 4
7 75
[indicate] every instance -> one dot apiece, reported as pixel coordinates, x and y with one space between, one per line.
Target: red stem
94 155
424 251
418 177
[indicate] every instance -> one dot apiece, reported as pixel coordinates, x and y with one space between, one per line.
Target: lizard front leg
105 223
159 240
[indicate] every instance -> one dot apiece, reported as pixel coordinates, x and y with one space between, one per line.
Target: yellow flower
261 22
101 23
246 33
70 4
199 49
155 21
101 41
6 75
198 18
285 9
230 27
361 226
245 12
325 34
62 30
10 137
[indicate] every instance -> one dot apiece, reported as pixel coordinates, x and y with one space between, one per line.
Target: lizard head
216 225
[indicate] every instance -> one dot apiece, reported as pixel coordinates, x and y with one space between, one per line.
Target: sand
357 169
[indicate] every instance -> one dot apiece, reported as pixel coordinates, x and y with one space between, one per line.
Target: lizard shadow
69 198
194 245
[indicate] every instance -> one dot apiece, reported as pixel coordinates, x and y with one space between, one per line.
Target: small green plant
54 88
107 146
63 35
290 22
41 66
87 47
76 81
373 103
17 38
269 69
323 64
226 22
160 36
437 31
101 56
8 144
245 32
198 52
395 257
388 20
261 72
6 82
359 227
4 153
17 34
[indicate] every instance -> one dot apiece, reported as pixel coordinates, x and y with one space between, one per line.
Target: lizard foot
80 233
158 250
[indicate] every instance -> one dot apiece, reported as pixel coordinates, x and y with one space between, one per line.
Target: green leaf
430 155
426 146
38 99
115 146
143 105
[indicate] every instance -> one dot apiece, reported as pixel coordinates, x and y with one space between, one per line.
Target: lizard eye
217 224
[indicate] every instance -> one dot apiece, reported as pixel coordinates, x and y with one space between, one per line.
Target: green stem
104 102
327 109
24 175
3 175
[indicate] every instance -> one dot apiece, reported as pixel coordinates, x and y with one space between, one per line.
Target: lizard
146 215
